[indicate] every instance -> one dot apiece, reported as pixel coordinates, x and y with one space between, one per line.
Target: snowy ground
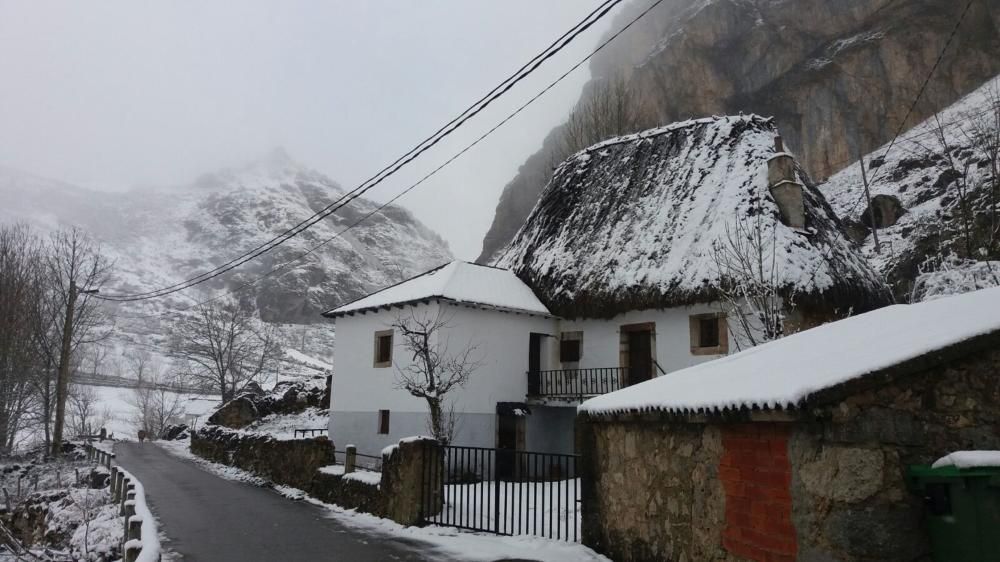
474 547
283 426
117 402
548 508
89 526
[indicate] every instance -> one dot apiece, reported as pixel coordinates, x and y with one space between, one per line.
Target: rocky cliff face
837 75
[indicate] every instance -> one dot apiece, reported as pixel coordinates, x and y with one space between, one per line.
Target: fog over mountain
158 237
122 95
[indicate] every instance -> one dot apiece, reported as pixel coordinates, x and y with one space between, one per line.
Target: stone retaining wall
292 462
827 484
296 463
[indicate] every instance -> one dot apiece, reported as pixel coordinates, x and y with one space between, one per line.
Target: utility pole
62 380
871 210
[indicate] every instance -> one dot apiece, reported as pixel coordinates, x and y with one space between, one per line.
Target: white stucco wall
673 337
360 390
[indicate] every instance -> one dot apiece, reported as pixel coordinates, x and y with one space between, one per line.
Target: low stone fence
140 539
308 464
100 455
289 462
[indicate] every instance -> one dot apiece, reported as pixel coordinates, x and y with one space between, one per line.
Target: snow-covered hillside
158 237
942 173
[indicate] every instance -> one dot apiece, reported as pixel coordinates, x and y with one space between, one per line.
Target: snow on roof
784 373
630 223
969 459
458 281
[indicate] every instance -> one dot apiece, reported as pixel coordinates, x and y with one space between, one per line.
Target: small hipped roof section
799 370
459 282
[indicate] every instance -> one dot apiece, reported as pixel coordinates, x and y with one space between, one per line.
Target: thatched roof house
630 223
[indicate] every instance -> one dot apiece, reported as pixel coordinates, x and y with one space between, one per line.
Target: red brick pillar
757 478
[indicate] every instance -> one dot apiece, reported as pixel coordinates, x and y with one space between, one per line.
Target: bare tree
982 130
155 406
75 270
748 279
434 370
86 417
611 107
20 359
224 346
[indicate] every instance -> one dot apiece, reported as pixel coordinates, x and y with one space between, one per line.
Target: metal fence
574 383
362 461
310 432
502 491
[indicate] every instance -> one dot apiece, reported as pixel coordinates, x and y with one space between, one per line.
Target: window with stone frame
570 347
383 349
709 334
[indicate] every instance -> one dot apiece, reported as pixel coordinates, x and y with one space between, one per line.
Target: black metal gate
502 491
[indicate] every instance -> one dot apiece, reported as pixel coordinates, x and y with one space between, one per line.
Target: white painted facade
360 390
672 337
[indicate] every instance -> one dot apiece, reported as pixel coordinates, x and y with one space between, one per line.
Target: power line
430 174
920 93
500 90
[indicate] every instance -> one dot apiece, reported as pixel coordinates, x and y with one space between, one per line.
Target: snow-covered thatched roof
789 372
458 281
630 223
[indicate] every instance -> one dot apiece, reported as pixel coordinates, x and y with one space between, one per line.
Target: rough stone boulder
175 432
290 397
238 412
886 210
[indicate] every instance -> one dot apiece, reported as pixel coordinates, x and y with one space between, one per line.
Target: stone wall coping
815 404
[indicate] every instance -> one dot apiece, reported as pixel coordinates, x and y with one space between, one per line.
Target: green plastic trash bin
962 508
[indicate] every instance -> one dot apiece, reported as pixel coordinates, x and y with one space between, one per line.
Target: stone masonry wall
291 462
850 496
297 462
828 485
653 491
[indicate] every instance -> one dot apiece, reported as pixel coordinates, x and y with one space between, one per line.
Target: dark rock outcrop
289 397
837 75
884 209
175 432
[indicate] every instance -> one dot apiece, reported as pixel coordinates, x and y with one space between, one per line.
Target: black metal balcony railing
576 383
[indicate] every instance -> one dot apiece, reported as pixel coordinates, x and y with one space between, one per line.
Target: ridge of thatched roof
630 224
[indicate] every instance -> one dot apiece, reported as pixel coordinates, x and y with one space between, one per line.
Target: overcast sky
123 94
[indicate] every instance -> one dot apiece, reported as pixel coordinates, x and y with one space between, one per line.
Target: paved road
210 519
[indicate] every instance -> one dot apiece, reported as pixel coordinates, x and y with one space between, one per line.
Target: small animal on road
142 435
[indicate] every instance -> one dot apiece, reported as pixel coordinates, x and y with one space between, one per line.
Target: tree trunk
437 423
62 383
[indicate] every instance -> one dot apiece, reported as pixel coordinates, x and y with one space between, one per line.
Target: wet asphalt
209 519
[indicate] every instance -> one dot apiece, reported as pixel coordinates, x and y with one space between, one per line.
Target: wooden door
640 356
534 363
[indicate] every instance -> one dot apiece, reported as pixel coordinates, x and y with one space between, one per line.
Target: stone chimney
785 187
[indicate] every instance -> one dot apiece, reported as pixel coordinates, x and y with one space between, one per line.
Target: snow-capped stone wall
827 484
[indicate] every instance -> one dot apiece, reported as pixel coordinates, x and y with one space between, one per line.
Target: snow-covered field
463 545
283 426
117 404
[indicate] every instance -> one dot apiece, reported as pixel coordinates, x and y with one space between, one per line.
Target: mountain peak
272 167
278 159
